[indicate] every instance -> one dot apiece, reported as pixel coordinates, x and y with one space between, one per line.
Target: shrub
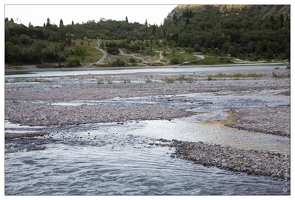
113 50
132 60
118 62
73 63
174 61
168 80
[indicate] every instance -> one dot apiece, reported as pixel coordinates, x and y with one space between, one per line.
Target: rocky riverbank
269 120
238 160
256 104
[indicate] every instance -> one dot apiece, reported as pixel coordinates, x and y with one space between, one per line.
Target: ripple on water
74 167
110 159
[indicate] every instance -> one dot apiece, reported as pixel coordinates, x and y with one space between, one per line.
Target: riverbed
78 135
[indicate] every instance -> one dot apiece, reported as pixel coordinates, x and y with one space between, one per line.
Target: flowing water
124 159
127 159
53 73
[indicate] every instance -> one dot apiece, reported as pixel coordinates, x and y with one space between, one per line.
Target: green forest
220 33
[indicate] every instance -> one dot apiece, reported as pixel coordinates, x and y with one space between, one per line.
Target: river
128 159
45 73
115 159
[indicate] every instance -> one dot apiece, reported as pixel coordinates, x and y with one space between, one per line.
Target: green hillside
217 33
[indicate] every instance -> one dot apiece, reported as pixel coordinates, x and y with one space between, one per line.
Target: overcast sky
38 14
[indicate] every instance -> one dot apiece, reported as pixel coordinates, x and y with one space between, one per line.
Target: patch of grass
238 75
90 53
209 78
176 57
168 80
184 78
41 80
148 52
109 81
47 65
148 79
180 78
284 75
101 65
155 64
100 81
106 80
126 81
17 80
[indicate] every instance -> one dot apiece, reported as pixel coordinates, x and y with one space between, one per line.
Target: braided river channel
129 158
116 159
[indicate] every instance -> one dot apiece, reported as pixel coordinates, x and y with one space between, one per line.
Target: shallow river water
128 159
53 73
116 159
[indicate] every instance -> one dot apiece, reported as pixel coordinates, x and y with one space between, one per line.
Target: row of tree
240 32
235 34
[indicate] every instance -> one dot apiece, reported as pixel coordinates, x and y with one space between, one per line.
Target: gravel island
259 104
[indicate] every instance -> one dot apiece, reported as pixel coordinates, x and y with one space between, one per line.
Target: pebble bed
238 160
269 120
47 115
28 103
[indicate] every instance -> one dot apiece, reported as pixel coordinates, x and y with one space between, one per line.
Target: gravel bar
39 103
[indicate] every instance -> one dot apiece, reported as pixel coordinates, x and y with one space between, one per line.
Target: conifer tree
48 23
61 24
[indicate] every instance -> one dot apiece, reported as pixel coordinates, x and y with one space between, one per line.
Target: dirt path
132 55
160 57
105 54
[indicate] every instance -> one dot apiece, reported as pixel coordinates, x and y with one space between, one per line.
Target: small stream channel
122 159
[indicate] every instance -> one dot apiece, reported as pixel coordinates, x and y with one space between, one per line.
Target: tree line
237 32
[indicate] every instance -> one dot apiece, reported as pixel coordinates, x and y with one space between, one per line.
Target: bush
148 53
132 60
73 63
174 61
46 65
113 50
118 62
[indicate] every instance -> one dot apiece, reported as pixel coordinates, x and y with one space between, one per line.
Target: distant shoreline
27 68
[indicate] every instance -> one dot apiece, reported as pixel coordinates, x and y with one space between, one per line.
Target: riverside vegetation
189 35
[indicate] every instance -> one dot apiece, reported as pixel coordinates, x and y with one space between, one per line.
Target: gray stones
45 115
239 160
32 104
271 120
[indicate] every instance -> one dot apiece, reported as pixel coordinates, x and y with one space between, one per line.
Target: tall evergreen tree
61 24
48 23
126 19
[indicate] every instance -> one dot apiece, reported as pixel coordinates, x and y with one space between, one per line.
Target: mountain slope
262 11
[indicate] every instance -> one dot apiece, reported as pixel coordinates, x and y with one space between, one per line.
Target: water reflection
103 163
214 133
